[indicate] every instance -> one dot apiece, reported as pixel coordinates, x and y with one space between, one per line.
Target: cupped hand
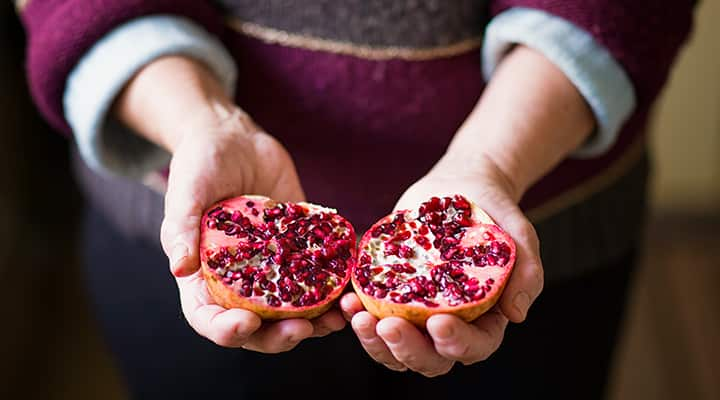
398 344
212 162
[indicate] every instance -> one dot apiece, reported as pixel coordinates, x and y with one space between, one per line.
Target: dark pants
563 350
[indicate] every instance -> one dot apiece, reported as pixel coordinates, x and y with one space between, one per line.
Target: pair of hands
233 156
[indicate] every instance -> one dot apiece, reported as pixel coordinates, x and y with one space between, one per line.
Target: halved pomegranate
279 260
447 256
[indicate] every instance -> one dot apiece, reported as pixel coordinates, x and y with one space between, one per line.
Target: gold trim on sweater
276 36
593 185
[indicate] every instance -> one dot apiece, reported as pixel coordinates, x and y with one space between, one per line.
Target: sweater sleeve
60 32
588 65
106 145
642 37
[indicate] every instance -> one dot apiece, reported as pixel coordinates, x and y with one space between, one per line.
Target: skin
528 119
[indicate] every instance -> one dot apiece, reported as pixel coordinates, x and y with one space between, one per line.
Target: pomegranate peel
446 256
279 260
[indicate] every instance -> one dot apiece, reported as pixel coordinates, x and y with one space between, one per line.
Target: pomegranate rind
417 313
226 297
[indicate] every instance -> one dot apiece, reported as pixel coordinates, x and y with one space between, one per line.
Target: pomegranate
279 260
447 256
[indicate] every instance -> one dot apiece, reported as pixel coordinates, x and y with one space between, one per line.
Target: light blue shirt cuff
590 67
105 144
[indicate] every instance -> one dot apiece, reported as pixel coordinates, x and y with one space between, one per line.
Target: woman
530 108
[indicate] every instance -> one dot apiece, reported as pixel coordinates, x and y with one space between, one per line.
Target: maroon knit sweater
316 102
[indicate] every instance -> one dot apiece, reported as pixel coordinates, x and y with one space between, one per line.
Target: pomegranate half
279 260
447 256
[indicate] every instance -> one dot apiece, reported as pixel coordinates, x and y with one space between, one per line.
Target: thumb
180 231
180 241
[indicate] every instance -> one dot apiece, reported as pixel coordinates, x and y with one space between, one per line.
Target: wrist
172 97
480 168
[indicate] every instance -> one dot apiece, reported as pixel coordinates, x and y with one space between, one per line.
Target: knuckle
538 276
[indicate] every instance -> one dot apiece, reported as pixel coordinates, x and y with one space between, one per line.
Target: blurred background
50 348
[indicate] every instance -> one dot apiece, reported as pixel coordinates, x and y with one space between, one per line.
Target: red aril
279 260
447 256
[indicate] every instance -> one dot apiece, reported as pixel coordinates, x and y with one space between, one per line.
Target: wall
686 129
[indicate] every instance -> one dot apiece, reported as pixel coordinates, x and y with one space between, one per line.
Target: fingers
457 340
364 326
350 305
228 328
409 346
331 321
527 279
277 337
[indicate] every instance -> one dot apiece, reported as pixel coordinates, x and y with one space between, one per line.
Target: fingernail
179 252
521 302
392 335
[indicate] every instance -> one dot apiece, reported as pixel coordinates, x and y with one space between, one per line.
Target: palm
205 170
435 354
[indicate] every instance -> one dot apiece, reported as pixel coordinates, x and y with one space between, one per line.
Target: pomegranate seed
421 240
449 241
433 218
448 253
479 295
445 203
273 300
463 220
245 290
404 235
460 203
391 249
406 252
